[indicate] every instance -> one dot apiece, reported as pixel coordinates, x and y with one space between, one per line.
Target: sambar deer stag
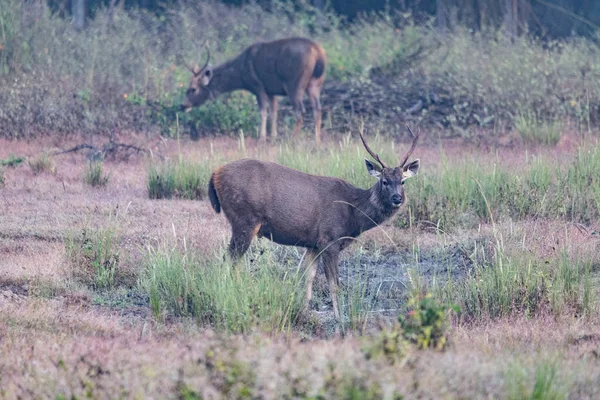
286 67
322 214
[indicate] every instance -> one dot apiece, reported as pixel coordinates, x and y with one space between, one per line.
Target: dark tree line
545 18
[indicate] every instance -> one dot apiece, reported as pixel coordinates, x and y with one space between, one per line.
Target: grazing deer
322 214
286 67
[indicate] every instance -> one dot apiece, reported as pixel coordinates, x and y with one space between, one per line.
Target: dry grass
60 339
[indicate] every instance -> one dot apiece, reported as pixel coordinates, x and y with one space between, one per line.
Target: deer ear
207 75
411 169
374 170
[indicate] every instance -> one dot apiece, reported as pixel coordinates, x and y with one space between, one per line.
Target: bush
426 324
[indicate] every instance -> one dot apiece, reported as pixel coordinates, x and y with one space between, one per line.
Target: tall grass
179 179
255 293
452 195
503 285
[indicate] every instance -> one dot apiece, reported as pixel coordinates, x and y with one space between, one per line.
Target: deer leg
314 94
312 262
300 110
262 107
241 237
330 263
273 101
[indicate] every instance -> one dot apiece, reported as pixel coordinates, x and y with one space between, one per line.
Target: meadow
114 280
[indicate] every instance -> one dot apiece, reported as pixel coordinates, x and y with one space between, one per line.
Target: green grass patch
94 175
94 257
503 285
257 292
179 179
544 382
533 130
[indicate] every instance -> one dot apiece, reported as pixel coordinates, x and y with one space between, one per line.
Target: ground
58 338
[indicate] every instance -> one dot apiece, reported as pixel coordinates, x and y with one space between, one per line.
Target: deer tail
213 196
319 68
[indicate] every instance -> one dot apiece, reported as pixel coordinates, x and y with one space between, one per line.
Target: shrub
426 324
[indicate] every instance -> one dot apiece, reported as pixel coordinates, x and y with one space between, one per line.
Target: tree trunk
442 15
511 18
79 12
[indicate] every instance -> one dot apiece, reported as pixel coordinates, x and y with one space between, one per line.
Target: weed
42 163
11 161
94 174
427 323
94 257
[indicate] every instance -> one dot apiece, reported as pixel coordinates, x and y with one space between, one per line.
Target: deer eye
384 182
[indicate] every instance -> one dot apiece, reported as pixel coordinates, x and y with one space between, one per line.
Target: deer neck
371 209
227 78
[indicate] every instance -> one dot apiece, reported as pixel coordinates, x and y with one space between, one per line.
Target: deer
286 67
320 213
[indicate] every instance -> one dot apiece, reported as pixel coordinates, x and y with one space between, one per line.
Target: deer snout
397 200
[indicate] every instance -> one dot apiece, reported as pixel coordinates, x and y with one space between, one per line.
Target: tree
79 12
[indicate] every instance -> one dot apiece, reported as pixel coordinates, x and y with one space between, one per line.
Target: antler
207 58
375 156
180 59
414 144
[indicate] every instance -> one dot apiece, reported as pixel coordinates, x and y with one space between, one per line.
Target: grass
94 257
103 340
534 131
94 174
546 382
180 179
255 293
42 163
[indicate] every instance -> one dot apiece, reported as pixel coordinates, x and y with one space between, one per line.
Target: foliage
426 324
11 161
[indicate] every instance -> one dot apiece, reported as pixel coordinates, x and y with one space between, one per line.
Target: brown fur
290 207
286 67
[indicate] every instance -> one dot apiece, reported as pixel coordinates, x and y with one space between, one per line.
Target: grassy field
111 288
